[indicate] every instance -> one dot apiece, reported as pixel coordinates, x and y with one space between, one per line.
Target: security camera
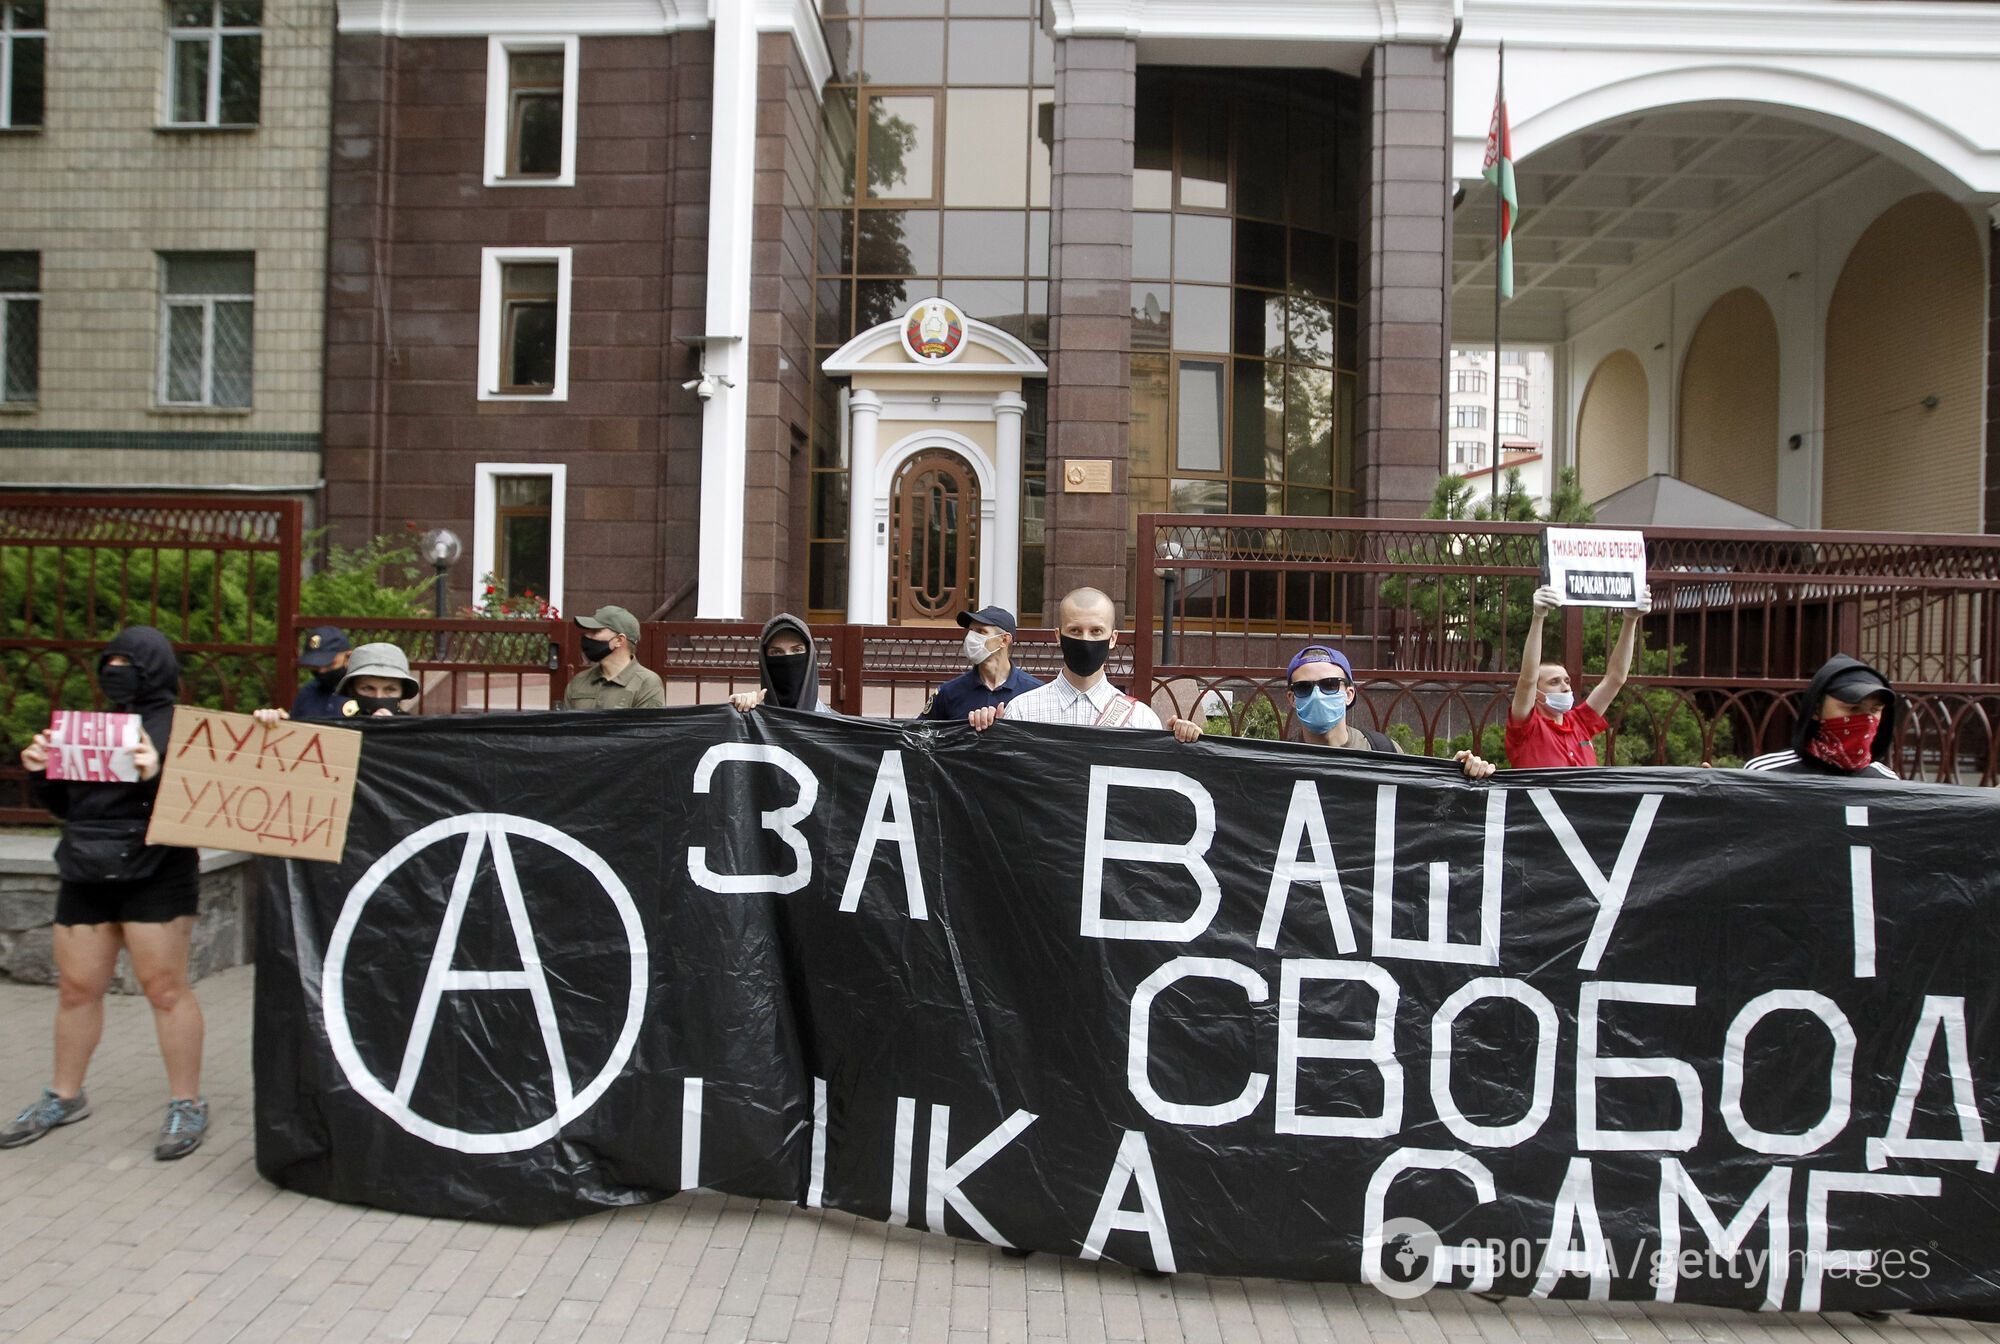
704 388
692 383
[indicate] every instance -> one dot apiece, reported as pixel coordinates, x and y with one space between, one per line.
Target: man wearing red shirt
1545 725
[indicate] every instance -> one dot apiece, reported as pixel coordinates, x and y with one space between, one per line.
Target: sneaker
186 1124
43 1116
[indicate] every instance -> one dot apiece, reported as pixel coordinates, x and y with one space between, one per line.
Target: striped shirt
1061 702
1790 763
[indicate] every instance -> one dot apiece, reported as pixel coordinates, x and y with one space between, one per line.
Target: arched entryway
1729 403
933 539
1611 426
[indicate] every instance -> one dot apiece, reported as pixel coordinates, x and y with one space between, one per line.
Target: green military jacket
632 688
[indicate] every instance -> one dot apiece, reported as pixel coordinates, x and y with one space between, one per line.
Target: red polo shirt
1540 740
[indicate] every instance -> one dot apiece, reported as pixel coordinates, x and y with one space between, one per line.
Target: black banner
1234 1007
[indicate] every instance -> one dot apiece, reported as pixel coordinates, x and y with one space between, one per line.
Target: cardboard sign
230 782
91 747
1594 567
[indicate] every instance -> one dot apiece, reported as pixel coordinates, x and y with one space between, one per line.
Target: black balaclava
159 679
800 690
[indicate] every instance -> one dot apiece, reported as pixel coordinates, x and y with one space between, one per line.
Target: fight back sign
1594 567
230 782
92 747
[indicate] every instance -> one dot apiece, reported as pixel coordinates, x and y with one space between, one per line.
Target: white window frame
485 522
492 259
1468 452
8 32
9 297
1468 417
216 30
497 51
206 303
1514 423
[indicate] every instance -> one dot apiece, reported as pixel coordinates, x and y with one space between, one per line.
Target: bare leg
86 957
160 960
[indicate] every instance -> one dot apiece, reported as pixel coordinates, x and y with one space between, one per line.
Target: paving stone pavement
99 1242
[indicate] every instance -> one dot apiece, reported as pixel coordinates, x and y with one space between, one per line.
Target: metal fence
1433 615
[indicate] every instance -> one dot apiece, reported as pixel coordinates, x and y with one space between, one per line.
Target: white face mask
1560 702
978 647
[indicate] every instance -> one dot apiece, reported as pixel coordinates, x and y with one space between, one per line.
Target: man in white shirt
1081 695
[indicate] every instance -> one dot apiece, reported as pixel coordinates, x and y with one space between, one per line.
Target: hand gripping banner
1235 1007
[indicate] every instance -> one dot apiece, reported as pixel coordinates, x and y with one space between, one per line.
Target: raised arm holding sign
1545 725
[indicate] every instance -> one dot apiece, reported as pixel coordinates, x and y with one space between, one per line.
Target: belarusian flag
1499 170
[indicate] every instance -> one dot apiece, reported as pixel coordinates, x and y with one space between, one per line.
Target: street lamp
441 546
1168 550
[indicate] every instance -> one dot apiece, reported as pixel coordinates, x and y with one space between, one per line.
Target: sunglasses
1331 685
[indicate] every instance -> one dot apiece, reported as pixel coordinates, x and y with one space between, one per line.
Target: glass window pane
831 312
1037 333
1149 435
190 13
535 69
985 242
30 15
1045 56
879 300
531 345
189 98
242 13
1038 242
1257 447
242 86
1153 149
988 51
1309 331
1200 496
896 242
1309 503
24 103
1041 146
1201 128
1310 172
1260 157
23 340
829 577
843 45
184 340
829 505
523 492
1260 254
1309 417
986 147
1313 256
524 553
20 272
538 134
210 273
1198 430
902 52
1201 248
1260 325
1254 497
1035 428
1151 310
1152 246
1001 302
1201 317
528 279
1347 343
836 155
902 147
232 358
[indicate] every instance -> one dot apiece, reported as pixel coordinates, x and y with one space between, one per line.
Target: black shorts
155 900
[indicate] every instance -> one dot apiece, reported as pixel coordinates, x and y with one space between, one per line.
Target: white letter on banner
1306 821
1477 1260
1772 1200
1945 1013
1576 1210
780 821
1378 1049
1542 1099
942 1182
1609 891
1861 881
1436 944
1590 1068
1139 1043
899 1164
1098 850
1820 1185
891 794
1840 1079
1133 1166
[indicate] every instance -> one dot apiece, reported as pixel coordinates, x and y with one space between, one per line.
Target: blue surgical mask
1560 702
1321 712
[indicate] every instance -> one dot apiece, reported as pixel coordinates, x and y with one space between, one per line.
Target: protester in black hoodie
117 890
1846 725
787 667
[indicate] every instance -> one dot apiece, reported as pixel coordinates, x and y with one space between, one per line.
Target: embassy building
883 309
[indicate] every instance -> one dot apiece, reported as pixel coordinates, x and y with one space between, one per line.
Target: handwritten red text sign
230 782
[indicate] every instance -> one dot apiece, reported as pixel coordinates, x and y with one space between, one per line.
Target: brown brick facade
1992 512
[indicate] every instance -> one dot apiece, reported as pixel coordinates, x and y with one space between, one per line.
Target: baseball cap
1319 653
615 619
1857 684
321 645
999 616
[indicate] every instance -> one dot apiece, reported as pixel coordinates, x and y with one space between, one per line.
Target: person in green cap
614 679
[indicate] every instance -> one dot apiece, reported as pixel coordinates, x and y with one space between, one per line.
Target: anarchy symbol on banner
484 832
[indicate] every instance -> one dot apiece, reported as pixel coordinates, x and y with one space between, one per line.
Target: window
524 324
1514 423
1516 357
900 146
1468 380
1514 389
24 41
214 59
206 302
20 327
531 111
1468 452
517 528
1468 417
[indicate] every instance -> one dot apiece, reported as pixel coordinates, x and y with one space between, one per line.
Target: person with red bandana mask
1847 725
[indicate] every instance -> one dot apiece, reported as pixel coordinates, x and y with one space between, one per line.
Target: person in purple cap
1321 681
993 680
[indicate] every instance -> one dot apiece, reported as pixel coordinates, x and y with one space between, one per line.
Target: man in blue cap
1321 681
323 652
993 680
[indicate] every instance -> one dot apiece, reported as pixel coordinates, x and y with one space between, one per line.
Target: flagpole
1499 220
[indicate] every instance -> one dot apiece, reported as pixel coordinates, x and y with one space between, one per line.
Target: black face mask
120 684
1085 656
328 678
788 676
597 650
370 703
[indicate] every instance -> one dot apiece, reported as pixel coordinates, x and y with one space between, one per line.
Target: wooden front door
933 539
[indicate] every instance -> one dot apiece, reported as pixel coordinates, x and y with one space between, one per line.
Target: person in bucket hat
377 683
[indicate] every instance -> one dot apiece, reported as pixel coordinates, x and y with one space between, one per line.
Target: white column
725 417
1000 558
867 575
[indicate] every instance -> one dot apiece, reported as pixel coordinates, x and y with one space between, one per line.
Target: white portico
934 426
